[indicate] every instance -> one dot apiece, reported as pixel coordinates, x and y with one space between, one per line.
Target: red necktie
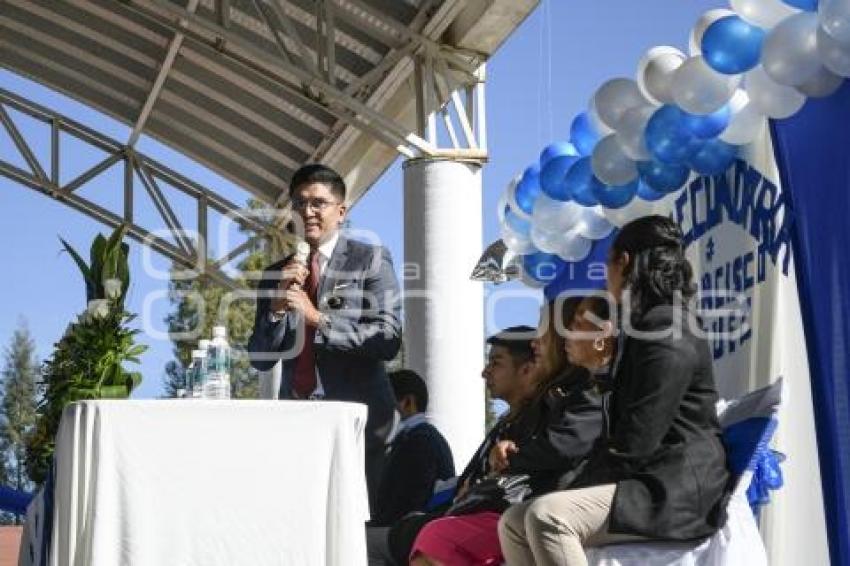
304 382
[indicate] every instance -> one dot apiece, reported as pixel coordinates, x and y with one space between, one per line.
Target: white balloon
574 247
610 164
601 128
593 224
762 13
638 208
614 97
619 217
630 136
546 241
770 98
790 51
834 17
834 55
515 242
746 124
824 83
655 73
550 215
704 21
501 205
510 193
699 89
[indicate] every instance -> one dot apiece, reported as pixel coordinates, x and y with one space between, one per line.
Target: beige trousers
553 530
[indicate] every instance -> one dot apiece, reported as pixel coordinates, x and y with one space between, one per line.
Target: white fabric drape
206 483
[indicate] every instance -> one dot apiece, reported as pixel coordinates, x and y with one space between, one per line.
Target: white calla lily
112 288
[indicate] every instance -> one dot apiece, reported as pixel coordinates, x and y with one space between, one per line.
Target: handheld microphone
302 252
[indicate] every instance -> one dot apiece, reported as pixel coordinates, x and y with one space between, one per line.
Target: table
207 483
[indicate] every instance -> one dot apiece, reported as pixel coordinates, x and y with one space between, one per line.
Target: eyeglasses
317 204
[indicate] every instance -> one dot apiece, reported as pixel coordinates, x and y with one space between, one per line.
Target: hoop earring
599 344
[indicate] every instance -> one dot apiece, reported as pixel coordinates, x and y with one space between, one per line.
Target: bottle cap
219 332
204 344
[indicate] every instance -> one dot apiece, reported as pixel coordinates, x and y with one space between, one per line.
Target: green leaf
112 253
137 350
114 392
134 379
116 237
124 271
84 269
98 247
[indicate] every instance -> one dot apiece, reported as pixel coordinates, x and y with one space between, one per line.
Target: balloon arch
642 139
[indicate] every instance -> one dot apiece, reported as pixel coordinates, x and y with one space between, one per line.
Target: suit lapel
335 265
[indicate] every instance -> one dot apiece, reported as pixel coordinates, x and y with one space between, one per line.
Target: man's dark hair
517 341
408 382
318 173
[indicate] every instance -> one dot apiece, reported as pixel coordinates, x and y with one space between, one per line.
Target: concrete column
443 309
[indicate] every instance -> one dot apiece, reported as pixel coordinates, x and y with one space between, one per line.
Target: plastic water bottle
188 379
218 365
203 368
197 374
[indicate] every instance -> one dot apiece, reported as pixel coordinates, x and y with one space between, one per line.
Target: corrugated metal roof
225 102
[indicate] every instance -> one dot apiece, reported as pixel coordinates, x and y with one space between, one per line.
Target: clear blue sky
542 76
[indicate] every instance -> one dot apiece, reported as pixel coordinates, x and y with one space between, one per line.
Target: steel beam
463 60
188 254
337 102
283 19
159 82
21 144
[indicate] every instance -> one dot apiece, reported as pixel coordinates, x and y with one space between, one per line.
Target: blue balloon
667 138
713 157
662 177
516 223
543 267
528 189
552 176
708 126
732 46
580 182
648 194
556 149
616 196
583 135
807 5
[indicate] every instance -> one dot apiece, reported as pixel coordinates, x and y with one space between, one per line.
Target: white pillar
443 308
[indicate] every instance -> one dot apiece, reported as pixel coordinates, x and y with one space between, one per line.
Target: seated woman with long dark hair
660 471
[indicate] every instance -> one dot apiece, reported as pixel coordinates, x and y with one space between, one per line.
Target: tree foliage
18 406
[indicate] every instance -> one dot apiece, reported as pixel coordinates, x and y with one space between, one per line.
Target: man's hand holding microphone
291 295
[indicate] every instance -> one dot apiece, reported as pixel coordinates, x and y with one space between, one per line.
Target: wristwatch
324 322
275 317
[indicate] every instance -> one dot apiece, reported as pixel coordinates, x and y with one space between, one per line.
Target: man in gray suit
335 319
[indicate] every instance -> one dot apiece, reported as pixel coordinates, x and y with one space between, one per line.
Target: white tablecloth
206 483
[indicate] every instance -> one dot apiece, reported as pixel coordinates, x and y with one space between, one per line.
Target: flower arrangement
88 361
